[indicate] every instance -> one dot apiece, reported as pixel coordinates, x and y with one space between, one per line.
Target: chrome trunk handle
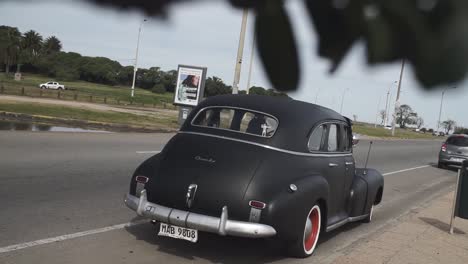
332 165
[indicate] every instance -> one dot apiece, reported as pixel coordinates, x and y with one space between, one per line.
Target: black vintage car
257 167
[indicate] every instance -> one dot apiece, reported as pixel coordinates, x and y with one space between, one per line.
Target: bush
158 89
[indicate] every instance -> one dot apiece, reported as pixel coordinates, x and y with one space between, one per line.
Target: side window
332 138
315 139
347 145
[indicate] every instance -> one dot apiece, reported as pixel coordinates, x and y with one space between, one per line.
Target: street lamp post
342 100
240 52
252 53
135 66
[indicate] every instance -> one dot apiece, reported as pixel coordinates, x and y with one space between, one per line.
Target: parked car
257 167
453 151
52 85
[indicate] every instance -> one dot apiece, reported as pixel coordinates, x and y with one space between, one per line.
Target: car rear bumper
221 226
451 160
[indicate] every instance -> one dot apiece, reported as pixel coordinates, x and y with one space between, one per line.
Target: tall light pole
252 53
397 102
342 100
317 94
135 66
441 103
378 111
240 52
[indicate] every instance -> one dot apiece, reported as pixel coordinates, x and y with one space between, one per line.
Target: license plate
456 160
178 232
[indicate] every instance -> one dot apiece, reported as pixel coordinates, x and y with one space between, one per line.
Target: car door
349 173
335 173
50 85
55 86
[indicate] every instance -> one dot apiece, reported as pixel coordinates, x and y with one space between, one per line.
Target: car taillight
257 204
142 179
444 147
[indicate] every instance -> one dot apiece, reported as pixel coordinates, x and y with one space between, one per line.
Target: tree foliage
406 116
448 125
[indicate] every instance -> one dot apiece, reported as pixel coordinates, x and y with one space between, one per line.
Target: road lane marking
405 170
149 152
69 236
117 227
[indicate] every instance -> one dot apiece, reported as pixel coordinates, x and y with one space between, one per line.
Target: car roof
296 118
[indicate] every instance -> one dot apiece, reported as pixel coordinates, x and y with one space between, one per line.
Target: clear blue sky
207 34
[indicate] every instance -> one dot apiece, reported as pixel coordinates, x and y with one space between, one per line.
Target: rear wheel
43 87
441 165
307 241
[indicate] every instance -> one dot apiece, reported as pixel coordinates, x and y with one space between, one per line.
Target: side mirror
355 139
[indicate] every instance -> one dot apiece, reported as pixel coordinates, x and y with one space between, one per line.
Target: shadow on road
441 225
210 247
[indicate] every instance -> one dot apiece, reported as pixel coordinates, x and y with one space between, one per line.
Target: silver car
454 151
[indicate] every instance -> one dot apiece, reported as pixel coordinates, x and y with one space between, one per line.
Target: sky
206 33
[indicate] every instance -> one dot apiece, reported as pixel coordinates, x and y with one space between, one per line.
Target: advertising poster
190 85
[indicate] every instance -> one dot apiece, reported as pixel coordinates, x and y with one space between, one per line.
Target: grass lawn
152 121
83 90
372 131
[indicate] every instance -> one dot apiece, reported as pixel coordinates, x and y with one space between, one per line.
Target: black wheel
441 165
43 87
307 241
368 219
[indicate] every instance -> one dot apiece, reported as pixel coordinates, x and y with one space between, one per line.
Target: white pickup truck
52 85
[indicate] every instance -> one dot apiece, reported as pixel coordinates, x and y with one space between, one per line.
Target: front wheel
43 87
307 241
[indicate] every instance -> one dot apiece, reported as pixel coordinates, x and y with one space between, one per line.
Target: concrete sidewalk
420 236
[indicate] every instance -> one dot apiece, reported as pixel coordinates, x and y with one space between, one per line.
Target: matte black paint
243 172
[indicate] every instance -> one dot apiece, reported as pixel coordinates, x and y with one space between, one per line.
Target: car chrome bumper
222 225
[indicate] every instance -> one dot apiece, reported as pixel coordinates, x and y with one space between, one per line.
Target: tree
51 45
382 115
406 116
419 121
216 86
448 125
461 130
31 44
10 39
257 90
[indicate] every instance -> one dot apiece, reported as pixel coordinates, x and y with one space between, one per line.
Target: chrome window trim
235 108
334 122
270 147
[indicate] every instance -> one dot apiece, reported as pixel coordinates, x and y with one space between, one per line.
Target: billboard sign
190 85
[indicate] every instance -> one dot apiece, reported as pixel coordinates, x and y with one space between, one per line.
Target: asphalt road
56 184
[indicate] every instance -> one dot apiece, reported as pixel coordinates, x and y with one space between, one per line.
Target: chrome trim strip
269 147
221 226
235 108
345 221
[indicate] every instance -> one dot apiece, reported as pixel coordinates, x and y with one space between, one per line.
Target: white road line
115 227
405 170
67 237
149 152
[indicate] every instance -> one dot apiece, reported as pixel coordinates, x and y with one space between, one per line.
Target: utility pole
386 107
252 53
378 111
342 100
441 103
135 66
397 102
240 52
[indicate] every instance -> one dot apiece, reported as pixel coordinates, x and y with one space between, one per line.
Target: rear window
237 120
458 141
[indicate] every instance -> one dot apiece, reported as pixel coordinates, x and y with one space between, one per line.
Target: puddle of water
25 126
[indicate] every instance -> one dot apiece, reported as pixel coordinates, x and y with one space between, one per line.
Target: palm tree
32 43
9 46
51 45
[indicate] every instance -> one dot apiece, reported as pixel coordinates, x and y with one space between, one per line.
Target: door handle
332 165
349 163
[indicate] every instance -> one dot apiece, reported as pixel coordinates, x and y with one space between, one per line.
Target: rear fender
148 168
288 209
375 187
